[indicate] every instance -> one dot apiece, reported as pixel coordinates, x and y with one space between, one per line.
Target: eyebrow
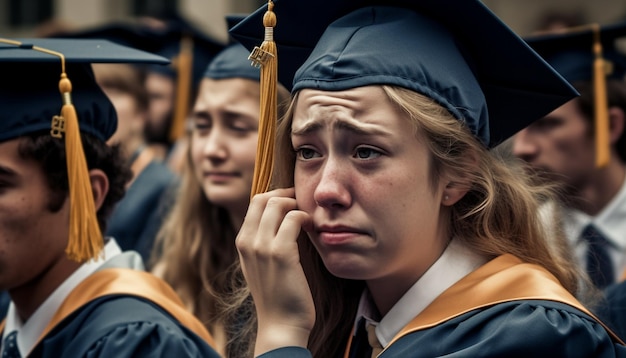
311 127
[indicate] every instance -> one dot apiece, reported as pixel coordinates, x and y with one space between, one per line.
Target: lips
219 176
338 235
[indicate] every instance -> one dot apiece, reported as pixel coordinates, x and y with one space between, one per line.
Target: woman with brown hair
196 244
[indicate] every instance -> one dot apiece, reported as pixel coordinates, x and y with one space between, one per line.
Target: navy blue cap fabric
467 59
571 53
233 61
29 92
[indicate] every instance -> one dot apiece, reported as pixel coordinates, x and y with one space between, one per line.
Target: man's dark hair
50 153
616 95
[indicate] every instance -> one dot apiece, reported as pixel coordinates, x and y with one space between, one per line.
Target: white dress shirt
456 262
28 332
610 222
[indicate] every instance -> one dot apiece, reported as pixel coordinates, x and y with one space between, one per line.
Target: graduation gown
119 312
612 309
137 218
506 308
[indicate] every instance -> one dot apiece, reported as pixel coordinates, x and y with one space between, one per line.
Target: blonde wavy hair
498 215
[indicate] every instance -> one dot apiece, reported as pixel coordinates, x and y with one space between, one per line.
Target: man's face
33 234
560 145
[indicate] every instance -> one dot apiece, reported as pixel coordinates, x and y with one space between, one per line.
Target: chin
226 200
347 267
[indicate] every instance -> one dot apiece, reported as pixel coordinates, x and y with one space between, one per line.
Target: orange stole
503 279
127 282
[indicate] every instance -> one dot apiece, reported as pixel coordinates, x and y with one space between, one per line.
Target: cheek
244 152
195 150
305 187
22 230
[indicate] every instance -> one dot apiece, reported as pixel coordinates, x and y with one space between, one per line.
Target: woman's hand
268 250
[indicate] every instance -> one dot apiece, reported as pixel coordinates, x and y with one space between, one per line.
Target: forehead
368 104
360 111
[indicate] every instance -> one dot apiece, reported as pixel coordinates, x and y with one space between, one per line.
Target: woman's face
224 139
363 175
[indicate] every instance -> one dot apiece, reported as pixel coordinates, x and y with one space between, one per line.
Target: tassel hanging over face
265 57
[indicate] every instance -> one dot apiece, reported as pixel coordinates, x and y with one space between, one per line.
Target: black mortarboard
233 60
589 53
454 51
48 86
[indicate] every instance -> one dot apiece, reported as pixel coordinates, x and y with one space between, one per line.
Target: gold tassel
265 57
601 102
85 238
184 69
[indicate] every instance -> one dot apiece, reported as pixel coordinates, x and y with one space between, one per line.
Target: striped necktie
599 266
10 349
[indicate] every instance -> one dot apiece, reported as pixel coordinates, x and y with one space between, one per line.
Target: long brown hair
195 253
195 247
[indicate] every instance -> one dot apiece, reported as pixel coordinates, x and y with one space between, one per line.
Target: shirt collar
610 221
30 331
455 263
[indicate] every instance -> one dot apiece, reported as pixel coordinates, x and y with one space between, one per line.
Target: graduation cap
589 53
48 86
188 48
233 60
456 52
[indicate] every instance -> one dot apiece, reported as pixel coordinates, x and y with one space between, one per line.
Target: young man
561 147
72 293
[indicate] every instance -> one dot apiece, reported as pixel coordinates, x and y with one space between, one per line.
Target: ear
616 122
99 186
456 185
453 192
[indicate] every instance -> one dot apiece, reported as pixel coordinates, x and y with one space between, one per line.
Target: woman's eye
240 128
306 153
366 153
201 125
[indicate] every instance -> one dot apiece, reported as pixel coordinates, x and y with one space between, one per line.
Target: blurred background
29 18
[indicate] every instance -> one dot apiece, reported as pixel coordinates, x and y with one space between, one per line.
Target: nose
215 145
523 146
333 187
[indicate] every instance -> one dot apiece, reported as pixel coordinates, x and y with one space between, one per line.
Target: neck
601 188
386 291
28 297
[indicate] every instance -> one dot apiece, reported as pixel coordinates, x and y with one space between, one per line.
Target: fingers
264 217
268 250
